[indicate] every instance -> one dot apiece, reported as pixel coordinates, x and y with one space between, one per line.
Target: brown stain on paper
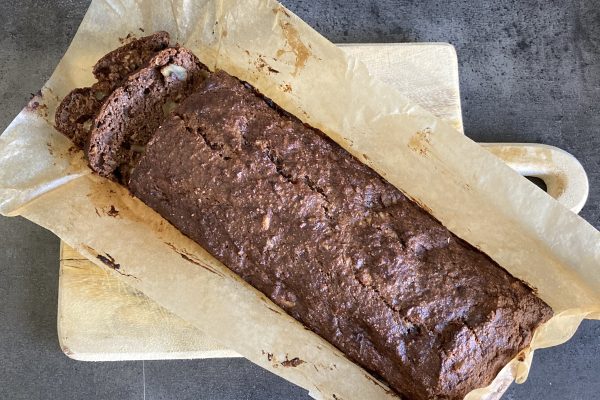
287 363
420 142
517 153
281 9
510 153
273 310
113 200
296 46
261 64
110 199
193 260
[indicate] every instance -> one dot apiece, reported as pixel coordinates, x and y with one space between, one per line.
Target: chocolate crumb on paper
294 362
109 261
36 104
112 211
269 355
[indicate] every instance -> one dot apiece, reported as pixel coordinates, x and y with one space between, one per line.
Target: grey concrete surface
530 72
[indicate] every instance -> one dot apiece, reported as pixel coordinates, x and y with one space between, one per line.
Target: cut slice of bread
76 112
132 112
117 65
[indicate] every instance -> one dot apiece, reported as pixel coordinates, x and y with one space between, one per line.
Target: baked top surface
334 244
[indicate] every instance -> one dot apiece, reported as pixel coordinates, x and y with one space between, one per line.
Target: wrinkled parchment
474 194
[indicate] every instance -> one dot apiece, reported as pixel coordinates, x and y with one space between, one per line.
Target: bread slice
132 112
75 113
122 62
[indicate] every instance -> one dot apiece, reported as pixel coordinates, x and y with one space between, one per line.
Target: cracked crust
334 244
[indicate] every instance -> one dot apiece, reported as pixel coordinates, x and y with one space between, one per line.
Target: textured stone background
530 72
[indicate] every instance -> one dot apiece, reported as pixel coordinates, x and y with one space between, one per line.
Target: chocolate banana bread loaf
300 219
334 244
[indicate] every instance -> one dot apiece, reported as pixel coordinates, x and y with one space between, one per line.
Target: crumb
294 362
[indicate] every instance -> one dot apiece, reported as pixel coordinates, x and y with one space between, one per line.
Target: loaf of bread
331 242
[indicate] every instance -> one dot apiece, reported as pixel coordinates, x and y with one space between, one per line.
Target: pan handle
562 173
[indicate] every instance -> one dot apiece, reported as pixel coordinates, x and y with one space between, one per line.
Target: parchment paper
471 192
